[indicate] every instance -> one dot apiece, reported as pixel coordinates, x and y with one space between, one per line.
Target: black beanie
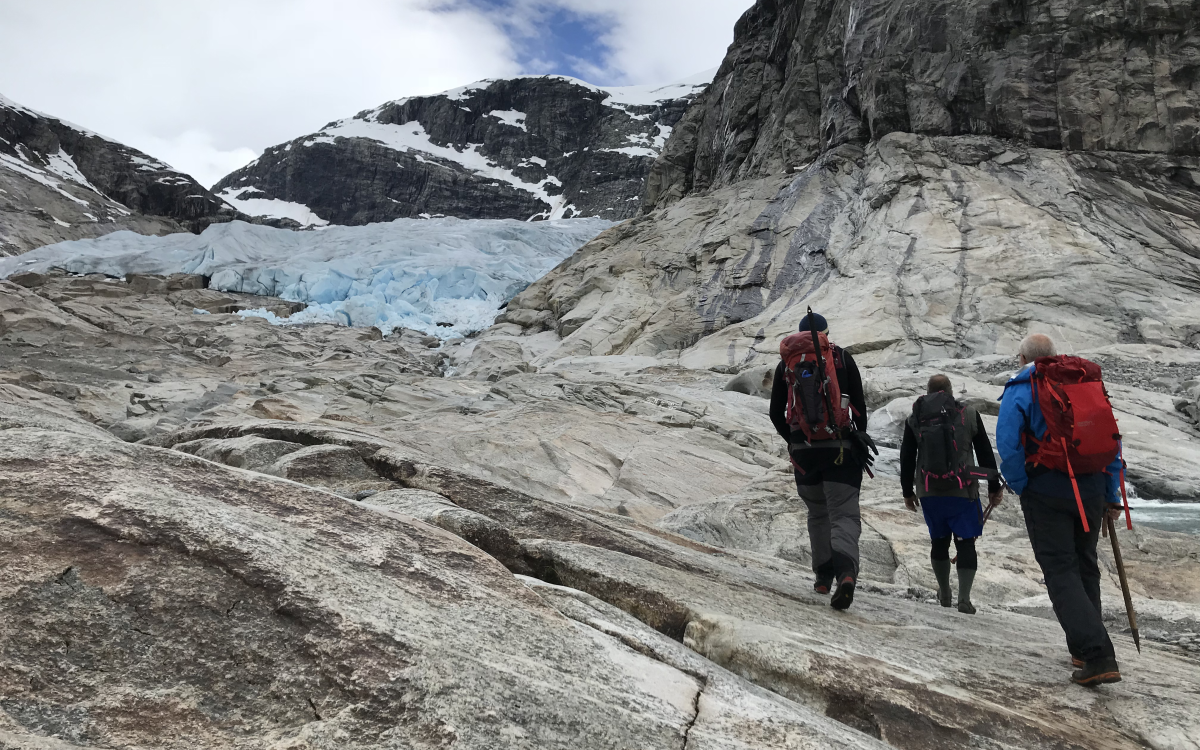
822 324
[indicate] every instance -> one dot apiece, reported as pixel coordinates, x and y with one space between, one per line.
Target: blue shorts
959 516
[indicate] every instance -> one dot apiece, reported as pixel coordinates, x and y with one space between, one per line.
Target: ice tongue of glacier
445 277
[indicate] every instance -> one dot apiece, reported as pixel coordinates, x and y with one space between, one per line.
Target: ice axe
1111 532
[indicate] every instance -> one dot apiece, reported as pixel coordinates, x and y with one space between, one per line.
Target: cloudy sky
207 85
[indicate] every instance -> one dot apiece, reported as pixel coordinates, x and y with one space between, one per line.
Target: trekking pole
1133 627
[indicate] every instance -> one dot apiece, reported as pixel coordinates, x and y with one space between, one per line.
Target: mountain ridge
528 147
60 181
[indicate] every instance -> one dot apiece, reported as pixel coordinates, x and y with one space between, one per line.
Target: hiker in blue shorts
943 440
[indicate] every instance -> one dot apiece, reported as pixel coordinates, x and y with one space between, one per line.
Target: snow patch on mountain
271 208
444 277
641 96
616 96
510 117
37 175
412 136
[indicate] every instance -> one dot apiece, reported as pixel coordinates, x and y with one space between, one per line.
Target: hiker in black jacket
948 494
829 476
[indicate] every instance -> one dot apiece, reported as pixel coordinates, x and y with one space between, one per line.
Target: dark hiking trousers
1067 557
830 493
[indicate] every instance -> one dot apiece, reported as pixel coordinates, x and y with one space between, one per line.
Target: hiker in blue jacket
1064 551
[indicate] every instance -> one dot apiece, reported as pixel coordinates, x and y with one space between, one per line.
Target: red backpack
815 404
1083 435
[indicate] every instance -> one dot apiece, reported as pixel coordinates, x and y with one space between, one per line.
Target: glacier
445 277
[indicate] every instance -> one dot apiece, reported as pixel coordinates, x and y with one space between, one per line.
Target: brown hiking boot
1097 672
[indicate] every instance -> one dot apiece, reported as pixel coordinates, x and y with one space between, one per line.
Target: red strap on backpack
1075 486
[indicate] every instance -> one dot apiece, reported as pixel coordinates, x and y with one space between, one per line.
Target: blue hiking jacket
1020 412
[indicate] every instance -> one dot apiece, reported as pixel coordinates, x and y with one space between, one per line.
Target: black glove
862 446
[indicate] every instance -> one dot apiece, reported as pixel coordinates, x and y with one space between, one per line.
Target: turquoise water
1183 517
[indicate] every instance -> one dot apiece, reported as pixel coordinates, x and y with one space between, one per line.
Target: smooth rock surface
172 604
633 480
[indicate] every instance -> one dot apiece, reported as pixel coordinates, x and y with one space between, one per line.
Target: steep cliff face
947 174
531 147
804 76
60 182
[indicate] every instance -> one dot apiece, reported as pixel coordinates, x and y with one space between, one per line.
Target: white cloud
205 160
207 86
650 41
664 40
214 81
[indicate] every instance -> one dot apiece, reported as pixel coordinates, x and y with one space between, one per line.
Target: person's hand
995 498
1114 512
912 503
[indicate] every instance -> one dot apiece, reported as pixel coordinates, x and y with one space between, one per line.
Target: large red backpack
814 405
1083 436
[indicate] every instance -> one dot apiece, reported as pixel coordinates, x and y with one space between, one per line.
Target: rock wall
944 176
61 182
804 76
547 146
916 247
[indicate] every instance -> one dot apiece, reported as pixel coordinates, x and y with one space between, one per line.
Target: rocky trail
318 539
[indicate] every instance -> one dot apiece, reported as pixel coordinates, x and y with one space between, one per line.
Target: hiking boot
966 579
822 585
1077 663
1097 672
844 596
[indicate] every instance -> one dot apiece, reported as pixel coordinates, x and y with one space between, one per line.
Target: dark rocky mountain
61 182
804 76
528 147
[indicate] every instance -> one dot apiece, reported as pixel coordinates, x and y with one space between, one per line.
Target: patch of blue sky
550 39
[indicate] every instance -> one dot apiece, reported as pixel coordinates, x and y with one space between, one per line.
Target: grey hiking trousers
831 494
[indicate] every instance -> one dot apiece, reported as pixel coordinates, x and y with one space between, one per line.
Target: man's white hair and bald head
1037 345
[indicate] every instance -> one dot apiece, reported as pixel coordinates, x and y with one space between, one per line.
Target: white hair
1037 345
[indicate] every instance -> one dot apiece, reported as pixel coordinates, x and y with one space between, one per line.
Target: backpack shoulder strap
839 357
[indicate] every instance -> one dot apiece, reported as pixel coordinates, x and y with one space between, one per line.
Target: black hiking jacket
849 381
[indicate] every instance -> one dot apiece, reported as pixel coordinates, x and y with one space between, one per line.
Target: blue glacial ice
445 277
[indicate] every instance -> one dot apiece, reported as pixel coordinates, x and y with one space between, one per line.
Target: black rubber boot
1097 672
966 578
941 569
844 596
